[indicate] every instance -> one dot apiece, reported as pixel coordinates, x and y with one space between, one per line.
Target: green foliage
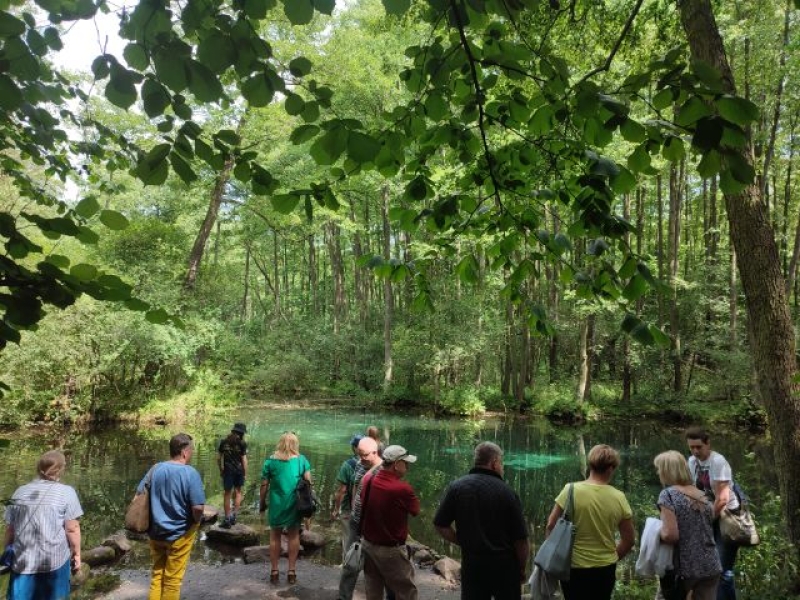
463 400
558 402
293 373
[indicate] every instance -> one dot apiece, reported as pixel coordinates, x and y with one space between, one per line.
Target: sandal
273 576
291 577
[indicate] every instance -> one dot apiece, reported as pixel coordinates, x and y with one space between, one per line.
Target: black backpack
306 501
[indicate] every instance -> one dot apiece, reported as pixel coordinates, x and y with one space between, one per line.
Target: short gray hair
486 453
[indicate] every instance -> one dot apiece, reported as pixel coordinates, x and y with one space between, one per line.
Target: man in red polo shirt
386 502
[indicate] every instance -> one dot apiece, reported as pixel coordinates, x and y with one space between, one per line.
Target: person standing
686 517
489 527
374 433
343 499
369 461
232 462
712 475
177 502
386 503
42 524
279 477
599 511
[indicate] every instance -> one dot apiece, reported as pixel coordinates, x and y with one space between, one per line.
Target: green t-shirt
597 512
346 477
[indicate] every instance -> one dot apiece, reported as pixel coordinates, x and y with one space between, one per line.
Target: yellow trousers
169 565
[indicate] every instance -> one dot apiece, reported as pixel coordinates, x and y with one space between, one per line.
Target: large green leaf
300 66
285 203
155 98
136 56
299 12
258 90
217 52
327 148
87 207
362 148
304 133
737 110
121 88
10 26
113 220
325 6
10 95
396 7
171 69
204 84
294 104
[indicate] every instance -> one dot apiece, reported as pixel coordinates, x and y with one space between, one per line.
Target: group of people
482 514
479 512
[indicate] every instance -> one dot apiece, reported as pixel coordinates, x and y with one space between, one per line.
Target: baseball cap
357 437
395 453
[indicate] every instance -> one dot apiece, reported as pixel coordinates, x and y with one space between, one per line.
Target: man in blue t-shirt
177 501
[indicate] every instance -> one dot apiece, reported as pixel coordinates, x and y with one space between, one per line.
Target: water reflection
105 466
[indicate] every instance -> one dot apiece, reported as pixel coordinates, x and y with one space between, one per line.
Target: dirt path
234 581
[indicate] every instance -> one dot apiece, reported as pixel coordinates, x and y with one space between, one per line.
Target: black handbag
305 500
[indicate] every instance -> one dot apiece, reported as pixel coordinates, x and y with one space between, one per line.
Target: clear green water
105 466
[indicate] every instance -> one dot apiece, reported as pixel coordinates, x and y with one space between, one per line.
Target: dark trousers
484 578
596 583
727 552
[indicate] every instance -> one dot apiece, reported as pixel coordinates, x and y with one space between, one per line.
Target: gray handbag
555 554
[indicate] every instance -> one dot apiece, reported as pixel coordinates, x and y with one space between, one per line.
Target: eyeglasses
367 454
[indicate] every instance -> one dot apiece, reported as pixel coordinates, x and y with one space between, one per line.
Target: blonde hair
673 469
51 465
602 457
288 446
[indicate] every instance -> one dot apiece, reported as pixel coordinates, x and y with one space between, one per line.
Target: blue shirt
174 490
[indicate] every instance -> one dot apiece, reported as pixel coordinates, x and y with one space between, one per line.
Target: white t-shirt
714 469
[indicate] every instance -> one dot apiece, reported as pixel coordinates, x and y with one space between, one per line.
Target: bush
293 373
465 401
558 402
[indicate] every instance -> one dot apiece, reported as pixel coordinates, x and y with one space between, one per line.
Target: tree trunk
388 296
245 295
660 245
772 331
358 273
312 274
584 367
198 249
787 192
675 204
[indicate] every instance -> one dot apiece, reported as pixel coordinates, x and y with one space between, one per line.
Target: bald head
368 452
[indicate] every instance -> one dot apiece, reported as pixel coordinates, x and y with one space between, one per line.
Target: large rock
424 556
449 569
238 535
256 554
102 555
119 542
312 539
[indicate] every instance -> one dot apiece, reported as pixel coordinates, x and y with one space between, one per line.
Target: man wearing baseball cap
386 502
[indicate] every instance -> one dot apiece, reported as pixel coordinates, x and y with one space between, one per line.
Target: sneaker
226 523
232 519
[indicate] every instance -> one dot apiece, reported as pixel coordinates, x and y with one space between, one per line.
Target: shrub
466 401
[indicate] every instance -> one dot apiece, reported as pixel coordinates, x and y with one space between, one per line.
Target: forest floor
235 581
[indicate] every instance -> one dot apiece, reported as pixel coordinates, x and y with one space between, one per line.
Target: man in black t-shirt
232 462
489 527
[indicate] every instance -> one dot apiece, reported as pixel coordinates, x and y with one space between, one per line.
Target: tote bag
137 517
555 554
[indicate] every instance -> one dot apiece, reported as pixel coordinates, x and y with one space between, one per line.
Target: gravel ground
240 581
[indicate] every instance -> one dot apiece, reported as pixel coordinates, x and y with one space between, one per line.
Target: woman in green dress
279 477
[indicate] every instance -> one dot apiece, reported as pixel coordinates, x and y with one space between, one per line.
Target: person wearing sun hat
232 461
386 503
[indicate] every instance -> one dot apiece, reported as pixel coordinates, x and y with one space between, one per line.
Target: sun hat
239 428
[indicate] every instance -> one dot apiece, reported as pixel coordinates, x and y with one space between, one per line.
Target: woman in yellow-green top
599 512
